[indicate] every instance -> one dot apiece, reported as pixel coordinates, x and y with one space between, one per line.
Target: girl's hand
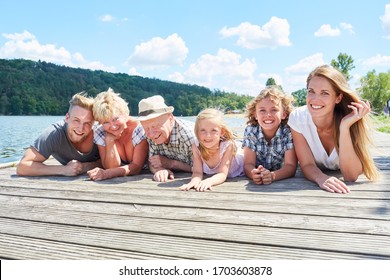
256 175
194 181
266 176
203 186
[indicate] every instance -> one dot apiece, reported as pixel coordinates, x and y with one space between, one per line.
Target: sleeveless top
237 165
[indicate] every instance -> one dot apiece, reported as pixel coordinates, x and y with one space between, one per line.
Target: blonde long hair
360 130
217 117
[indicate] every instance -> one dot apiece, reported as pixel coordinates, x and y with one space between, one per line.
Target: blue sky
226 45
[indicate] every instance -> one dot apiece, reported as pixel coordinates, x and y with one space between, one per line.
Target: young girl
216 153
269 153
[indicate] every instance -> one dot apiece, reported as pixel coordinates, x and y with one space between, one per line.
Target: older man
69 141
170 139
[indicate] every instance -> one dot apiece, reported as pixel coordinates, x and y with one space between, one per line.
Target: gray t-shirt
54 142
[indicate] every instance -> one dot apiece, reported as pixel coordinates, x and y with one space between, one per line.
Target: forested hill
41 88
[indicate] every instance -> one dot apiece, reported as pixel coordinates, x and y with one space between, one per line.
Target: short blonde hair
82 100
275 94
217 117
108 105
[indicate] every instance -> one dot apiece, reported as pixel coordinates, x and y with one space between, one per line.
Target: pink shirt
237 165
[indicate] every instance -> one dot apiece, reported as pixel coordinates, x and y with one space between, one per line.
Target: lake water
18 132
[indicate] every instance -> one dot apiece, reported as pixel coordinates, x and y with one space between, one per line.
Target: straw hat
152 107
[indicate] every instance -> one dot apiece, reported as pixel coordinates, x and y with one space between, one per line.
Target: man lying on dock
69 141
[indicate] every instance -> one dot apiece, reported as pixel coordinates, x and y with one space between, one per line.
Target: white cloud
159 52
224 71
106 18
26 45
133 71
386 22
377 61
354 82
348 27
327 31
272 34
176 77
19 36
306 65
296 74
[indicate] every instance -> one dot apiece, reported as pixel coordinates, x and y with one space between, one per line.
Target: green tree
42 88
270 82
3 104
376 89
15 106
299 97
344 64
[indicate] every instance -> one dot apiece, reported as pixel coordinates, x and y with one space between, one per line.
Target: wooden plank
179 247
241 184
19 247
238 185
24 206
214 200
373 198
282 237
57 217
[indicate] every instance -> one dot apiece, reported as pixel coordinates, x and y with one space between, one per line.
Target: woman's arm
350 164
133 168
140 154
310 169
109 154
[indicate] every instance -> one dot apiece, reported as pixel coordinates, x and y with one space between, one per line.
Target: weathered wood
17 207
19 247
58 217
179 247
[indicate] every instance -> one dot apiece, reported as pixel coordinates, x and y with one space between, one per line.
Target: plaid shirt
99 137
269 155
180 144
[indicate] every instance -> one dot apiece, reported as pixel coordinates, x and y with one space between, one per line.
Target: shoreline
235 116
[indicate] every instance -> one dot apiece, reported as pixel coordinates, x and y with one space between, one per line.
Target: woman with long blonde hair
332 131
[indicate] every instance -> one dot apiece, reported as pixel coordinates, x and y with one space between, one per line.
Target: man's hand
163 175
160 162
73 168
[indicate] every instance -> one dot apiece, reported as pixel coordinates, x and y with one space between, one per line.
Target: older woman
120 138
331 131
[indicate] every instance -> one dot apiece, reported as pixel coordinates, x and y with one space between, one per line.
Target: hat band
153 111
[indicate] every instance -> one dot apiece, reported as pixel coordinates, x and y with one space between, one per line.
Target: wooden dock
137 218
